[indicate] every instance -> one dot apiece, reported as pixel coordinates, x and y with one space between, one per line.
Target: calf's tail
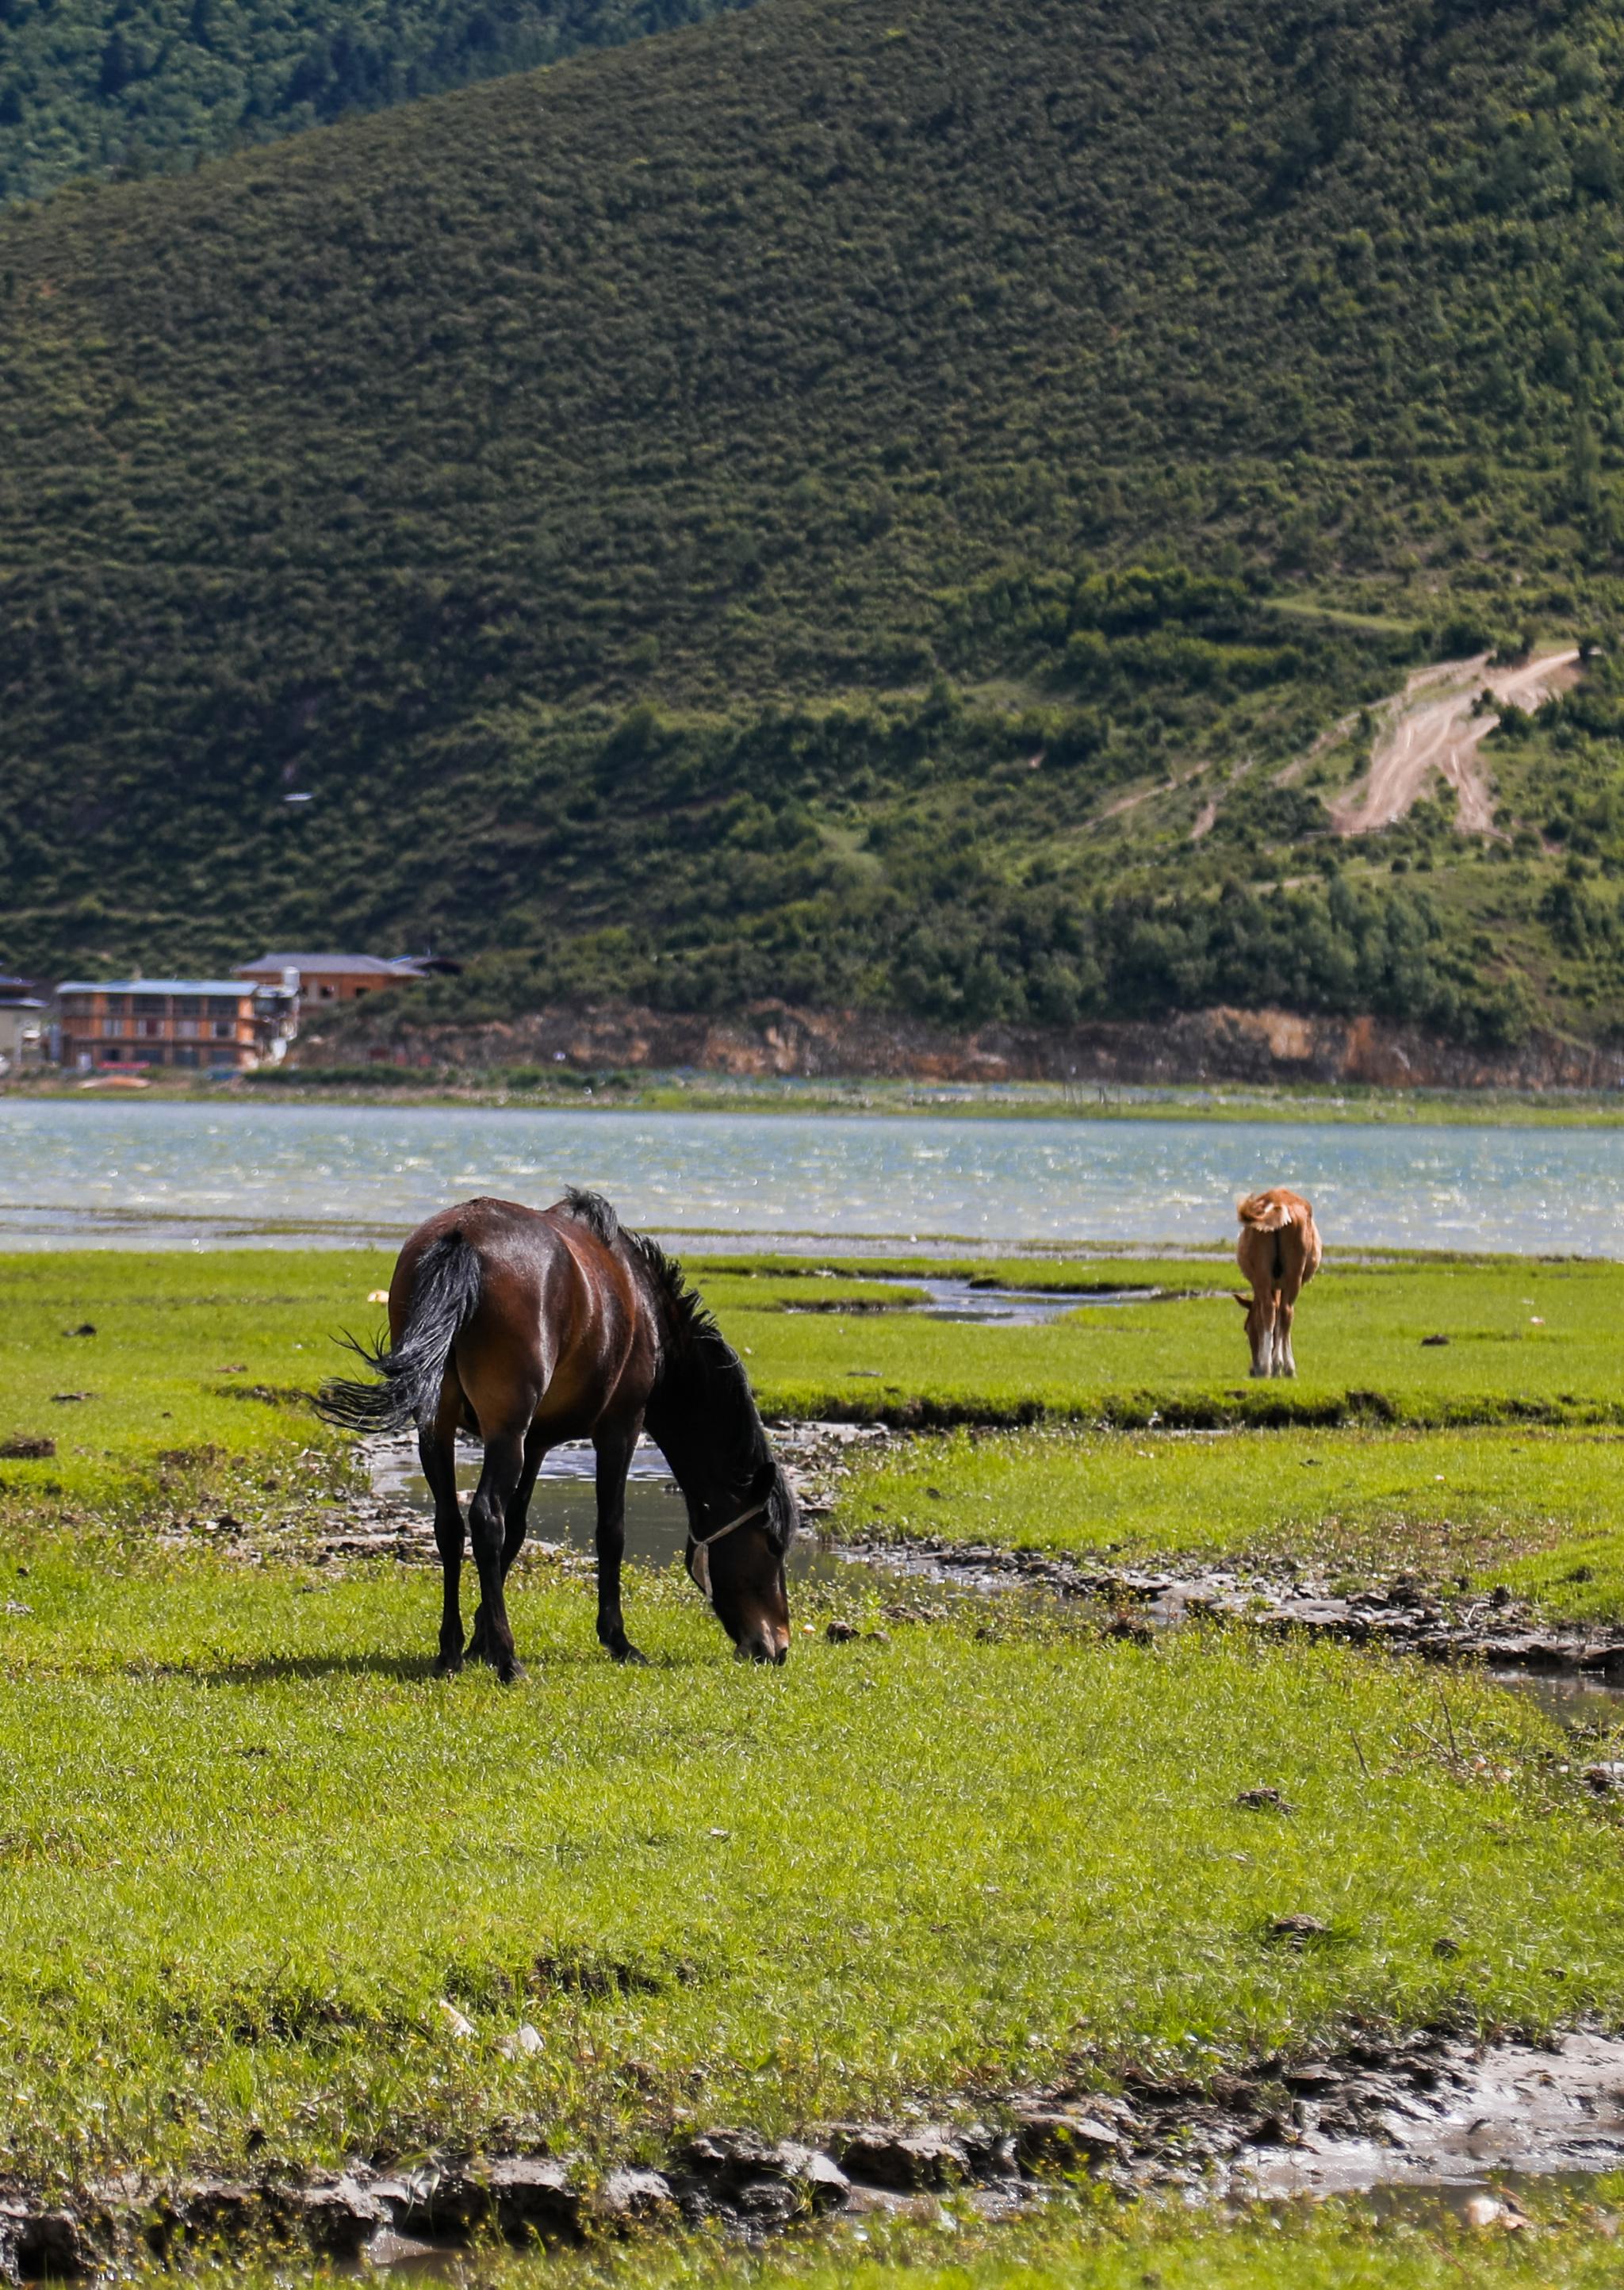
444 1293
1262 1214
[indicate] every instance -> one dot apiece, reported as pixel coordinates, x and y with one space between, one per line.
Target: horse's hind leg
487 1530
438 1453
513 1526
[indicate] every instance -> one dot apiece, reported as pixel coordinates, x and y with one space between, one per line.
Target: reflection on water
563 1508
205 1173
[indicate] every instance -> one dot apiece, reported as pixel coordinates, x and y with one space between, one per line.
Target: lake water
167 1175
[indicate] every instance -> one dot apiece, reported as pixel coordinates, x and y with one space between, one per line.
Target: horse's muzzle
765 1644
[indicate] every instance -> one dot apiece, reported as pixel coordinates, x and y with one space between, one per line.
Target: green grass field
1526 1342
1537 1510
251 1846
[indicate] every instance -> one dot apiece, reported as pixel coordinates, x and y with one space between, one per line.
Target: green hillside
676 518
125 87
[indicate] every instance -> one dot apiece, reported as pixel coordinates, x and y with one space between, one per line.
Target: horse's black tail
444 1295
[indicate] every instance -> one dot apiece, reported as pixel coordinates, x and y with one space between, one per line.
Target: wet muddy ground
1421 2119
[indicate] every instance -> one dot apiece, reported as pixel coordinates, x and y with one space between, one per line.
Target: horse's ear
1244 1302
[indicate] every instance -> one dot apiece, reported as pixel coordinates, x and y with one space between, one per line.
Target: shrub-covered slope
673 516
90 86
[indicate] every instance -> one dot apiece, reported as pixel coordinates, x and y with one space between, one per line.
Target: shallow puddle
563 1508
1010 1307
1513 2116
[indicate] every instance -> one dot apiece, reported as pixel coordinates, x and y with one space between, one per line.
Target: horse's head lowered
736 1559
742 1513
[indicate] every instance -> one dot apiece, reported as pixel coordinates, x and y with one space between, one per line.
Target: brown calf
1278 1252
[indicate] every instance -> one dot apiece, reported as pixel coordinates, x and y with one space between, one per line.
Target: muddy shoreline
1400 1614
1423 2108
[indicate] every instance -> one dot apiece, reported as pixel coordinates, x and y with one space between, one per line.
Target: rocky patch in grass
1397 1612
1417 2109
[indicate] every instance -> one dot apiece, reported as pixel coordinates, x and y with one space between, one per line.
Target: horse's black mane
702 1380
701 1412
593 1211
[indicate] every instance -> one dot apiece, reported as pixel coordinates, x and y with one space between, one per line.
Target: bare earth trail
1443 733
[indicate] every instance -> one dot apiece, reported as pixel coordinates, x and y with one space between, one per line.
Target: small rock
26 1450
928 2157
842 1633
1445 1947
633 2194
66 1398
1264 1800
1429 1342
84 1328
532 2194
455 2024
1606 1779
1052 2137
342 2217
1298 1930
35 2243
437 2199
1490 2210
1499 1597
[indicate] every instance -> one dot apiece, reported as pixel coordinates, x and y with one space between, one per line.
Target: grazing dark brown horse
1279 1252
530 1327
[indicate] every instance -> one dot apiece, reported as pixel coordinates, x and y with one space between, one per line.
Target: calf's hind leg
487 1530
1284 1365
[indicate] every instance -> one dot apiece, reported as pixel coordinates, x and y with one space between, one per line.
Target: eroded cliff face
775 1037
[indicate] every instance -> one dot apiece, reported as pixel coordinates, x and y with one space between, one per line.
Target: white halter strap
699 1562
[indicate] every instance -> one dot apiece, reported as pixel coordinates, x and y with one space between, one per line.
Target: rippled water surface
155 1175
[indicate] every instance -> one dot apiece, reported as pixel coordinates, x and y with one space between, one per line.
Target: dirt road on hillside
1435 724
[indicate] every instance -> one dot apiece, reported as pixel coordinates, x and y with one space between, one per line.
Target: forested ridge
880 504
125 87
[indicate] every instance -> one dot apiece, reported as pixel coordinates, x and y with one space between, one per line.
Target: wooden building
206 1024
323 978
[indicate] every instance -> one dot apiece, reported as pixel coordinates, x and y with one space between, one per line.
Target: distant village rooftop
231 986
332 966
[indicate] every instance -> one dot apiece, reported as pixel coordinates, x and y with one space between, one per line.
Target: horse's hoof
448 1665
626 1651
508 1672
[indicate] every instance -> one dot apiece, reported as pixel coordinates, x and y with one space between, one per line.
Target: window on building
113 1026
222 1030
151 1004
150 1029
188 1006
185 1055
223 1006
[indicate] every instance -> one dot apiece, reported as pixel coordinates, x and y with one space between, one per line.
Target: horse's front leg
614 1455
513 1525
